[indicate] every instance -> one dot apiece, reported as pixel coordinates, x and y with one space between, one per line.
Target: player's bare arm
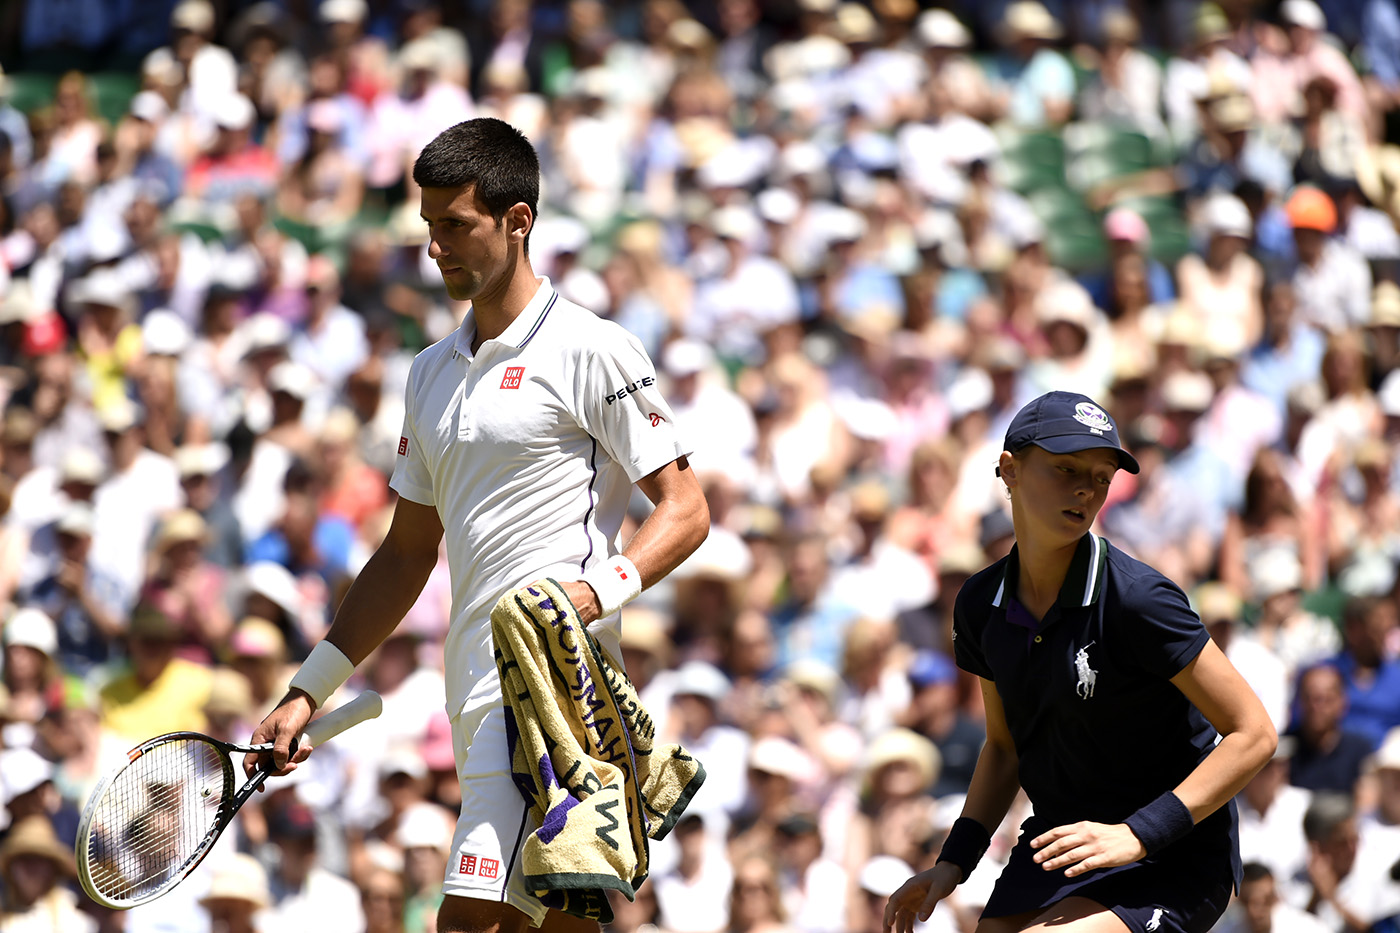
670 534
994 786
378 599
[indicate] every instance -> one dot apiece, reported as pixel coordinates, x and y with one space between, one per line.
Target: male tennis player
524 433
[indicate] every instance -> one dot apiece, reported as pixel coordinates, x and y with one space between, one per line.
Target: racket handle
367 705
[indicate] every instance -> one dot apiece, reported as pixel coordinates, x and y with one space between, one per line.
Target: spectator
1329 889
186 588
30 672
1328 757
237 895
86 604
1271 816
935 714
1263 911
1220 608
303 893
755 903
1333 283
1036 82
160 692
1372 676
33 863
692 897
1221 290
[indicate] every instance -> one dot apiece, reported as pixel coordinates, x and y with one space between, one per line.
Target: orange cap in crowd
1311 209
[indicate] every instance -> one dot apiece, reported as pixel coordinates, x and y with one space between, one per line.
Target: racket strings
154 817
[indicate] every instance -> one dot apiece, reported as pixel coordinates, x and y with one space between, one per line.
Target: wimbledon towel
581 755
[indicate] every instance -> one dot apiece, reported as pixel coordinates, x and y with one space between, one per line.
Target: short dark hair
488 155
1327 812
1255 871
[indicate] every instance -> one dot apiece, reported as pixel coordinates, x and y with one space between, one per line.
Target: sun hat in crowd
31 628
238 878
34 835
883 875
1310 208
939 29
255 637
23 770
1227 215
904 745
80 465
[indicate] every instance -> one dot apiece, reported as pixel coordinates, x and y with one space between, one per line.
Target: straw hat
184 525
904 745
241 879
34 835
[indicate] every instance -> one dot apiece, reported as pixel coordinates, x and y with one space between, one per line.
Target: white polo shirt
529 451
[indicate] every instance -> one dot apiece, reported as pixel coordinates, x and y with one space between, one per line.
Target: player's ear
520 220
1006 468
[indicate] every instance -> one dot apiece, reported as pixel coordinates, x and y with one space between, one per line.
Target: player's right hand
916 898
283 724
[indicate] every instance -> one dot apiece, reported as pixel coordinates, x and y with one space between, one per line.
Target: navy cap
1066 423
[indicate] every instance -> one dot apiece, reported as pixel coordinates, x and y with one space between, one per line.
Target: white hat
236 113
22 770
264 331
737 165
1389 394
32 628
1272 572
1066 301
1226 215
686 357
76 520
801 158
774 755
868 419
119 416
402 758
1029 19
149 106
735 223
884 874
164 333
971 391
723 557
343 11
275 582
941 29
777 205
19 304
1303 13
1187 391
842 225
200 459
1388 755
104 287
293 379
80 465
701 679
240 877
424 826
194 15
420 54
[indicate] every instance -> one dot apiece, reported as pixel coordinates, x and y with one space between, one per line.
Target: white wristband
617 583
322 673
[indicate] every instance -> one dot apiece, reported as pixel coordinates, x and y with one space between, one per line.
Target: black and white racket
150 822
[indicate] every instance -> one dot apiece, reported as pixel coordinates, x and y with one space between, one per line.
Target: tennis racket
150 822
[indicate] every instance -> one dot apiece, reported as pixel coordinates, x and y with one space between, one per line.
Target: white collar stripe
1091 579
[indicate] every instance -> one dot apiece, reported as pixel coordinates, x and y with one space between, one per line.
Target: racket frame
228 807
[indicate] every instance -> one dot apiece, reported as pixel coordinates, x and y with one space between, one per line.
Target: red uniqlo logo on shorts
403 446
513 376
489 867
468 866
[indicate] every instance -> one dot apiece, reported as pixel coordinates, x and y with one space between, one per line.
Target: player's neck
1041 571
494 313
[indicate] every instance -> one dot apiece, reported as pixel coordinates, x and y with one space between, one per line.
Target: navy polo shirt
1099 729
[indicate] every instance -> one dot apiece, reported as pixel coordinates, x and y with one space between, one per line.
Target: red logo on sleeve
468 865
513 376
489 868
403 446
655 419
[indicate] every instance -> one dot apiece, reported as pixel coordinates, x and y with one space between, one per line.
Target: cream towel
581 755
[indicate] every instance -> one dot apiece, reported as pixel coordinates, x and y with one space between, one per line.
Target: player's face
470 247
1061 494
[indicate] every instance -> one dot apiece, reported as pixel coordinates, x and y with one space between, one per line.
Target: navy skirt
1184 891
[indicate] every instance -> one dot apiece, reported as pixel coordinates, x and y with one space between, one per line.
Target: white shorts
485 859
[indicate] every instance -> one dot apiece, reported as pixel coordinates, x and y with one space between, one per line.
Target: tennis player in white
524 433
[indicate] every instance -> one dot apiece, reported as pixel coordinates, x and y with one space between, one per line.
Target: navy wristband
967 842
1161 822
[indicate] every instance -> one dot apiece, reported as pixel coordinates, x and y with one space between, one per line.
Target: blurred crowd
855 238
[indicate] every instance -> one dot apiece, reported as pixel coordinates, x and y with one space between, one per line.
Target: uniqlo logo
513 376
468 866
403 447
489 867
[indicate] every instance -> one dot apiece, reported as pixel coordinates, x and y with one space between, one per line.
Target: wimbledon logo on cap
1092 417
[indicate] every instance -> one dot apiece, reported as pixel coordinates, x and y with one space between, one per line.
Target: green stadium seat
111 93
1032 161
31 91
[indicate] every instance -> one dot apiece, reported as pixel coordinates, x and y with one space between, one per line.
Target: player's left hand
1085 846
584 599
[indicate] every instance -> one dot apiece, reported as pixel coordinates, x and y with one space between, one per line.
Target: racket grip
367 705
